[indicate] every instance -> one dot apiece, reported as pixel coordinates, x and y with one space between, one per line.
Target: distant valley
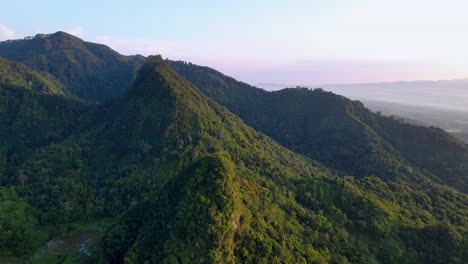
441 103
454 122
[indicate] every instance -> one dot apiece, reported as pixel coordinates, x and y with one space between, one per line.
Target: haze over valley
441 103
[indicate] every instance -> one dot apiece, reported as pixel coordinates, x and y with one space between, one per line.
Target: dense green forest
184 180
35 111
338 132
88 70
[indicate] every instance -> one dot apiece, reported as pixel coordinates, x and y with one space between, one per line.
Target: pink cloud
6 32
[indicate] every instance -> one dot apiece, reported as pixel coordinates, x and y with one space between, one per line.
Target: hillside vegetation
183 178
88 70
338 132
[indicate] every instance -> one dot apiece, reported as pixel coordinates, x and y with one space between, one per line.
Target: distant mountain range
435 103
184 164
443 94
453 121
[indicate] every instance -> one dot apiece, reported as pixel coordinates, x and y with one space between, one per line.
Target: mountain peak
153 75
58 34
62 33
157 97
90 71
154 60
156 78
151 64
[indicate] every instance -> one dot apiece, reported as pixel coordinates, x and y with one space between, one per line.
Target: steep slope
90 71
187 181
342 134
14 74
439 155
33 112
235 205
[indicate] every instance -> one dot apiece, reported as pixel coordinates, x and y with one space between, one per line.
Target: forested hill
341 133
35 110
185 180
175 177
14 74
90 71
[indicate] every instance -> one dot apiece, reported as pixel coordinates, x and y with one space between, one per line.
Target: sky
305 42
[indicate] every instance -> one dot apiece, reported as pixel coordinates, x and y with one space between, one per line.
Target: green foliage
30 120
18 228
88 70
193 216
18 75
186 181
342 134
284 210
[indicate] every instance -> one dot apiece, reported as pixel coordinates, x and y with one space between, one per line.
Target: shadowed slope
338 132
88 70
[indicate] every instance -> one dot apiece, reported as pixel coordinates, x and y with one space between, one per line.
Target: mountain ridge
332 129
175 170
89 70
18 75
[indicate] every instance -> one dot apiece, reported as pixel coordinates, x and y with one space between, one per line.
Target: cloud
76 30
6 32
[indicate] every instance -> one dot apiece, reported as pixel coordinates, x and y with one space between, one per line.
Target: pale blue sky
291 42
